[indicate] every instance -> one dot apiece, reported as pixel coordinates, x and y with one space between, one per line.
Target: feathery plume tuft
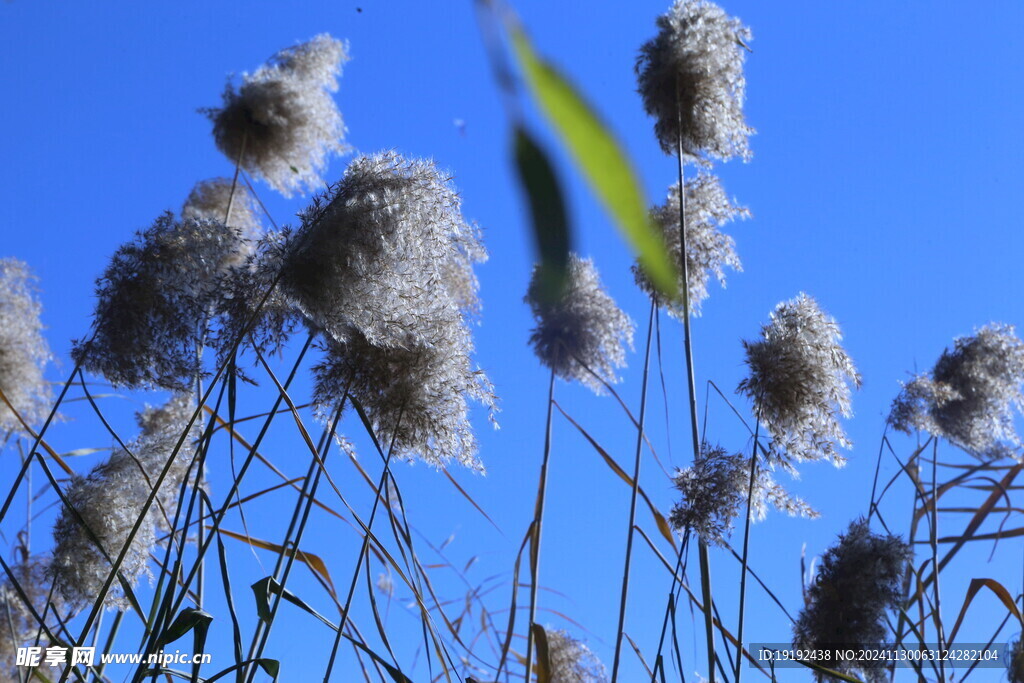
859 579
209 199
582 334
691 74
155 302
384 253
415 398
282 122
715 490
572 661
23 349
109 501
799 381
971 395
383 263
708 250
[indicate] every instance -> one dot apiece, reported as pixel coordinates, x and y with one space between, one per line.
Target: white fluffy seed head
571 660
210 199
24 352
383 264
708 250
109 500
692 72
155 302
583 333
416 398
715 490
282 122
384 253
800 382
971 396
859 579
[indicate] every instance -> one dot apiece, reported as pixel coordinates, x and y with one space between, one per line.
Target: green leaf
188 619
600 158
271 666
547 208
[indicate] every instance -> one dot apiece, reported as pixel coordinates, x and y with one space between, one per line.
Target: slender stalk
300 517
538 522
935 558
746 547
702 548
385 473
632 505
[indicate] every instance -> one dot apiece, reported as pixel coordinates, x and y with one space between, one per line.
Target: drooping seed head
384 253
691 79
971 396
155 302
210 200
282 122
109 501
709 251
571 660
858 580
24 352
800 383
583 335
715 490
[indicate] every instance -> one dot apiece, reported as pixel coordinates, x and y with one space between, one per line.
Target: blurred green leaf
601 159
547 209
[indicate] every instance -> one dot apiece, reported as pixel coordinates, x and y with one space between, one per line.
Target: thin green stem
702 548
624 593
746 548
538 521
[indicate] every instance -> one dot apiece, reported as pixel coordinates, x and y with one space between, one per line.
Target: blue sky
884 182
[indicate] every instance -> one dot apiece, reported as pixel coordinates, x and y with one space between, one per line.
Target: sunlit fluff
583 335
210 199
708 250
692 73
383 264
23 349
858 580
385 253
572 661
417 398
971 396
800 382
714 493
282 122
110 499
155 302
